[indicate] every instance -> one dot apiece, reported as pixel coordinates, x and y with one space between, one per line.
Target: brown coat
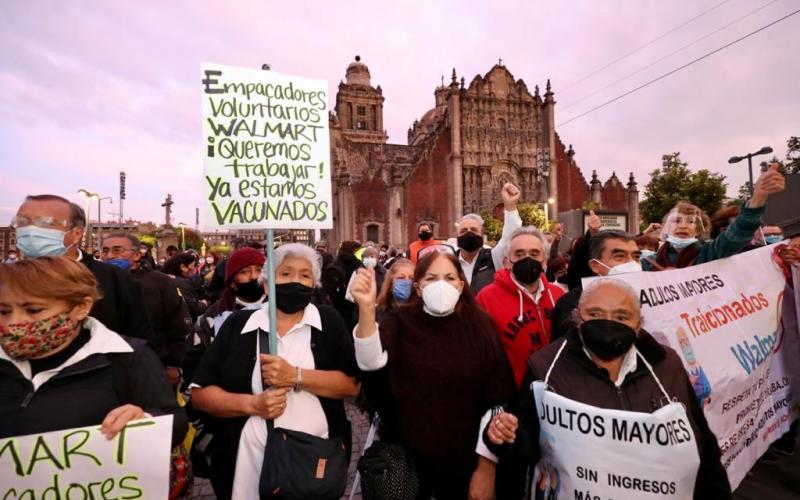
576 377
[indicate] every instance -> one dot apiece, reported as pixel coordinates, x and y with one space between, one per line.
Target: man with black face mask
520 302
480 263
425 235
610 374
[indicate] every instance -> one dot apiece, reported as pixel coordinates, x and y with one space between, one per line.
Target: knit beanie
240 259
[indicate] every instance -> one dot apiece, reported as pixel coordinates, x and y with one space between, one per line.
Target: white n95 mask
440 298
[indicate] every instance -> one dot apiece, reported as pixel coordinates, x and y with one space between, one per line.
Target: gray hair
475 217
120 234
593 285
531 231
300 251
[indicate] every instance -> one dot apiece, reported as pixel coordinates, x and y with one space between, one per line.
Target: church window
350 114
372 233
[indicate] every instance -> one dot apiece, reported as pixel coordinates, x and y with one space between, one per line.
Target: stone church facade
477 136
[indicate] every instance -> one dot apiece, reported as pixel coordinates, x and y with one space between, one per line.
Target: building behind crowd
8 241
226 236
458 155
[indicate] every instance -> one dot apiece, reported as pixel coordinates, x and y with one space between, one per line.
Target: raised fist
510 195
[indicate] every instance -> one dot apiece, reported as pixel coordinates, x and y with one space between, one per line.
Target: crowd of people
439 343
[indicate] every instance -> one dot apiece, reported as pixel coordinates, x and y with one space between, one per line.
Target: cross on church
168 210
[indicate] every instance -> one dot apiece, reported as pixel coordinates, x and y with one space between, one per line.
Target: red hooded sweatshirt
522 324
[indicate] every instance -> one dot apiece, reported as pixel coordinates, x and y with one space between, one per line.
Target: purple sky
91 88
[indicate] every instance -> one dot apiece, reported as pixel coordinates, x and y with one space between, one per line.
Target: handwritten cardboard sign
266 154
82 463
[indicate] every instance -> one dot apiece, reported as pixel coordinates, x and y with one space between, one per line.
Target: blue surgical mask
123 264
36 241
773 238
680 243
647 254
401 290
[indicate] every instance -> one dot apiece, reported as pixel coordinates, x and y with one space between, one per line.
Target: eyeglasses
42 221
680 219
440 247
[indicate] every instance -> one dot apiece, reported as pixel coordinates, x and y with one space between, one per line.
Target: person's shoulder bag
298 465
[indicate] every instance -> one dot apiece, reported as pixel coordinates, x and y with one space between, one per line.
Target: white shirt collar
539 290
629 364
260 319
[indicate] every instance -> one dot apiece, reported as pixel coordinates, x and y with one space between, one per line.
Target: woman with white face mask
685 226
432 371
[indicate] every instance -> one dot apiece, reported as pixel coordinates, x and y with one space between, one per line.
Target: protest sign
621 454
82 463
723 319
266 154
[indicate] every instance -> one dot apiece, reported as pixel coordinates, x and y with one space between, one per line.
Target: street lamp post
99 210
88 195
183 236
546 206
100 218
736 159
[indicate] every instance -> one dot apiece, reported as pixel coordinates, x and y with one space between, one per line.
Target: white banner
723 319
82 463
623 454
266 149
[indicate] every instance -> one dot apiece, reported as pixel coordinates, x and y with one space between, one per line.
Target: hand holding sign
277 372
503 428
770 182
118 418
270 404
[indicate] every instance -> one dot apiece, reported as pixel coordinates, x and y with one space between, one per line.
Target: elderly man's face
525 245
469 225
58 214
611 303
370 252
615 252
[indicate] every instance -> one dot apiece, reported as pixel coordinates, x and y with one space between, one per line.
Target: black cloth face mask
469 241
607 339
425 235
527 270
292 297
250 291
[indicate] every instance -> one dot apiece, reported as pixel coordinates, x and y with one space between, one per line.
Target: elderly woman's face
682 225
611 303
18 308
295 269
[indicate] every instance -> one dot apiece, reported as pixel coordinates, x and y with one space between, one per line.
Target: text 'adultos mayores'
669 433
